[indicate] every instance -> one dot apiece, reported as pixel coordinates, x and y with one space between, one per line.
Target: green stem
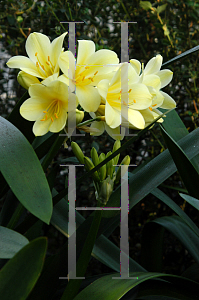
74 284
15 217
89 121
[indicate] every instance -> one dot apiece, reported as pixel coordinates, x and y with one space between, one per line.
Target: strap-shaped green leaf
23 172
19 275
191 200
10 242
186 169
182 55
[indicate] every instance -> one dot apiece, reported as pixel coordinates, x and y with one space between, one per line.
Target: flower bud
106 189
78 152
102 170
94 156
89 166
26 80
79 116
116 146
109 165
121 171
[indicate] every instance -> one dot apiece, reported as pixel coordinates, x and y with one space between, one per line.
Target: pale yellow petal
139 97
136 118
154 65
41 127
67 63
58 124
165 77
100 126
50 79
168 101
102 87
32 109
26 65
89 97
56 46
38 43
136 65
26 80
152 80
116 133
112 116
85 50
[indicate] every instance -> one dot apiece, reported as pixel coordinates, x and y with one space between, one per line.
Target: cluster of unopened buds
55 81
106 177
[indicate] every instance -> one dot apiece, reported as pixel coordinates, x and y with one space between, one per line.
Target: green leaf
23 172
164 198
193 201
183 233
113 289
161 8
182 55
146 5
10 242
19 275
185 167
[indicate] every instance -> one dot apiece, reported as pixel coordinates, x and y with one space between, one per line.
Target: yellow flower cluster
125 95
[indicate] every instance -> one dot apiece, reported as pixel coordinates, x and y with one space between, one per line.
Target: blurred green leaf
19 275
10 242
161 8
146 5
23 172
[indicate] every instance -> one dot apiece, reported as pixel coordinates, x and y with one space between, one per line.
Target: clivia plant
91 93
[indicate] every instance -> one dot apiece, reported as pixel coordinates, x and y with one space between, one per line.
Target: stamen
36 54
83 78
37 64
130 90
134 101
48 58
150 108
56 116
45 112
52 119
87 67
43 67
47 63
154 105
96 73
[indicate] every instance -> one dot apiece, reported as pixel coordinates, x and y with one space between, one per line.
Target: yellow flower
48 106
91 67
43 56
138 95
155 79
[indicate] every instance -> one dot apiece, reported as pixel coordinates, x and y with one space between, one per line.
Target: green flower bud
78 152
102 170
109 165
94 156
106 189
119 174
89 166
116 146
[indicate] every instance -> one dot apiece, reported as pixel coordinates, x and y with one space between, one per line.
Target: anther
154 105
36 54
130 90
83 78
52 119
87 67
134 101
96 73
150 108
56 116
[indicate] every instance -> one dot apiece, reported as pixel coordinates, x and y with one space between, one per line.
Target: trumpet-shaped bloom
43 56
117 110
91 67
48 106
155 79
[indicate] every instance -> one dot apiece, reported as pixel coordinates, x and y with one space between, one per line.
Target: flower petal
58 124
165 77
89 97
152 80
67 64
57 48
26 80
26 65
100 126
136 118
116 133
41 127
154 65
136 65
139 97
85 49
112 116
102 87
32 109
168 101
